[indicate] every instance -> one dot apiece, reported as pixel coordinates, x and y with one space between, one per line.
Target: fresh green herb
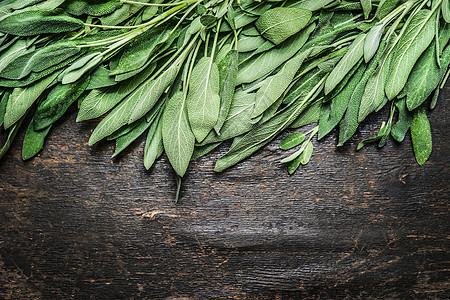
193 74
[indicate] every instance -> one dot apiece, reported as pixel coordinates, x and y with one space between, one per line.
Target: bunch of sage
192 74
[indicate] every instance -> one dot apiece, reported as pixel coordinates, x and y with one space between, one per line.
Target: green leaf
18 49
350 59
178 138
57 102
399 129
267 62
203 100
350 122
228 68
372 41
139 52
39 60
421 136
101 78
72 74
3 104
424 78
11 135
292 140
411 45
333 111
100 101
311 5
385 7
154 145
310 115
35 22
445 9
149 92
367 7
33 141
263 133
21 99
305 157
117 118
280 23
249 43
374 97
200 151
275 85
238 120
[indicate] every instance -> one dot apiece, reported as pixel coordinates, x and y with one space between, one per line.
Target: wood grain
370 224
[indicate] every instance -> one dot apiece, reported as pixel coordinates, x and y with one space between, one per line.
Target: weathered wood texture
350 224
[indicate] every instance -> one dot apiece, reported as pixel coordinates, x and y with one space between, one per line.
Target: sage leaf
178 138
263 133
351 58
154 147
149 92
238 120
311 5
310 115
333 111
424 78
57 102
445 10
3 104
292 140
39 60
250 43
33 141
401 127
138 53
385 7
367 7
372 41
21 100
411 45
267 62
203 100
275 85
421 136
34 22
100 78
18 49
100 101
117 118
280 23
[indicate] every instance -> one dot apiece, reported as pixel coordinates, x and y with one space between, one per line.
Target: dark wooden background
75 224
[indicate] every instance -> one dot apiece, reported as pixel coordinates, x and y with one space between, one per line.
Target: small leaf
178 138
421 136
280 23
292 140
399 129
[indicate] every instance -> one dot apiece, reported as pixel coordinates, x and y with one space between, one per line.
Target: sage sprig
192 74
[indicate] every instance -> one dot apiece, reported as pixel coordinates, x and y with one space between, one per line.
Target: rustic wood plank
350 224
